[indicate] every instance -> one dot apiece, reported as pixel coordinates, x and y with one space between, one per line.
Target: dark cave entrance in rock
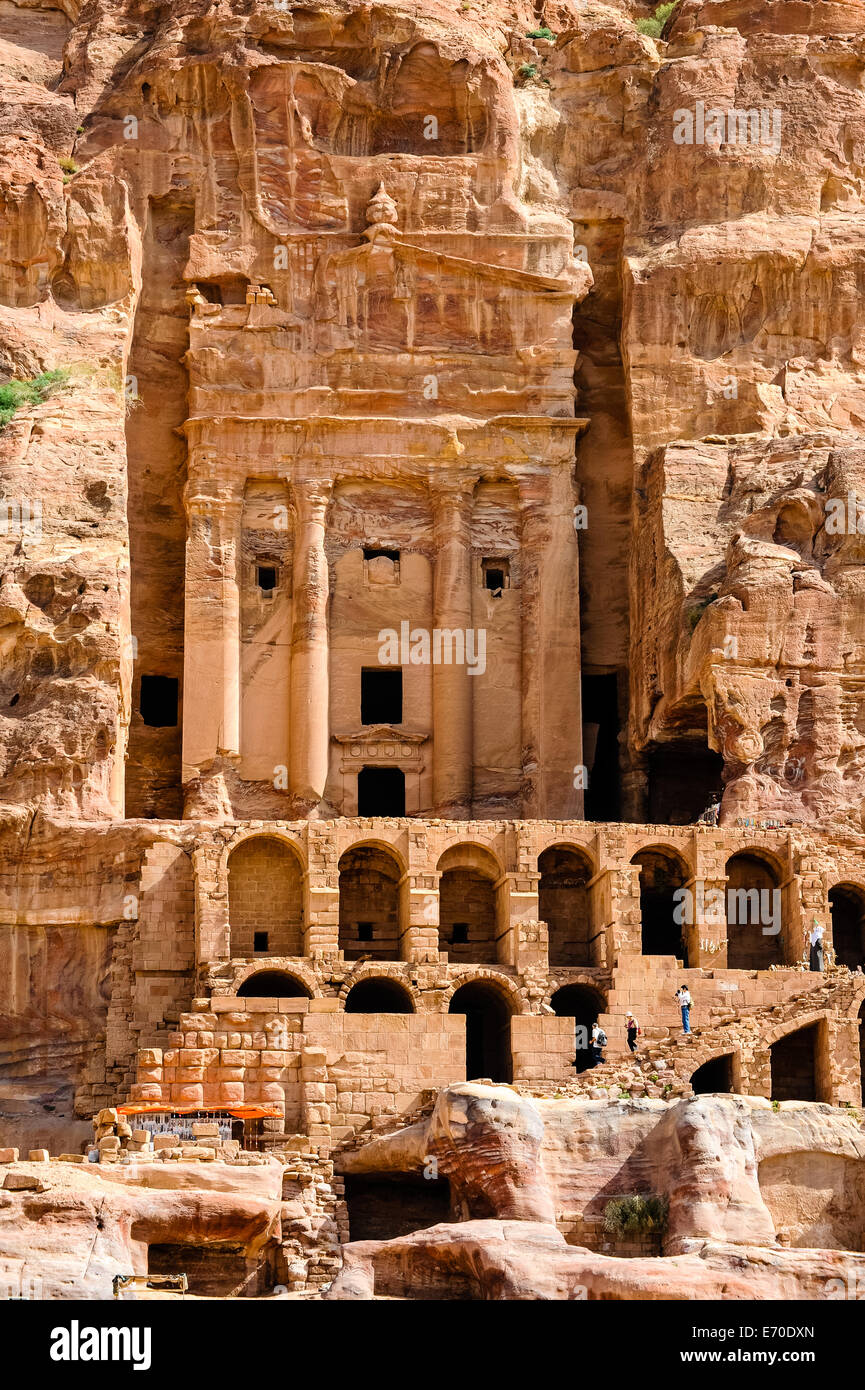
794 1065
381 791
564 904
753 912
714 1077
379 996
601 746
212 1271
684 780
847 905
383 1206
661 875
488 1030
583 1004
272 984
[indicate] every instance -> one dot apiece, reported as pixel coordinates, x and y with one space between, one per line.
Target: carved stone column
309 707
451 683
552 736
211 670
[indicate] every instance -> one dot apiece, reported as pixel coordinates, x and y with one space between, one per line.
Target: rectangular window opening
371 553
265 578
157 701
460 934
259 940
364 931
380 696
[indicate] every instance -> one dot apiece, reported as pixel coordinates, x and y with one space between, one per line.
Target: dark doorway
564 904
684 781
157 702
380 696
212 1271
380 996
660 877
794 1065
382 1208
488 1031
583 1004
601 746
381 791
714 1077
272 984
848 925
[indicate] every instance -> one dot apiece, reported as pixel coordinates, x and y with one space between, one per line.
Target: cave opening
684 781
385 1206
220 1270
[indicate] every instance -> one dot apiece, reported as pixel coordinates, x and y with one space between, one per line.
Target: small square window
259 941
265 578
496 576
460 934
364 931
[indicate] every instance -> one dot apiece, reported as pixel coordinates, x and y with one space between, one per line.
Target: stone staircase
666 1058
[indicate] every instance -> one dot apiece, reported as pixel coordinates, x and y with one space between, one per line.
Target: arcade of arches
480 950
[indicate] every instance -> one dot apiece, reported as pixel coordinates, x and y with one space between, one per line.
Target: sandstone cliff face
724 315
743 1184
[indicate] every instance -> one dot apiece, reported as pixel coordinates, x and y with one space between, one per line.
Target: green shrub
625 1216
542 33
15 394
67 164
654 26
696 611
528 70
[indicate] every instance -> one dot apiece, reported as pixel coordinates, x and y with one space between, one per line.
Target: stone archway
487 1013
582 1003
378 994
847 906
754 931
662 875
273 984
265 898
369 877
564 904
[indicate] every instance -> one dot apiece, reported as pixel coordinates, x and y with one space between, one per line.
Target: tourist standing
633 1028
684 1000
599 1042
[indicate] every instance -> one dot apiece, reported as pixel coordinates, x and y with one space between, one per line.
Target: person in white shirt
683 999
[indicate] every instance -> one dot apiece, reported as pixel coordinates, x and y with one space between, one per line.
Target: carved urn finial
381 214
